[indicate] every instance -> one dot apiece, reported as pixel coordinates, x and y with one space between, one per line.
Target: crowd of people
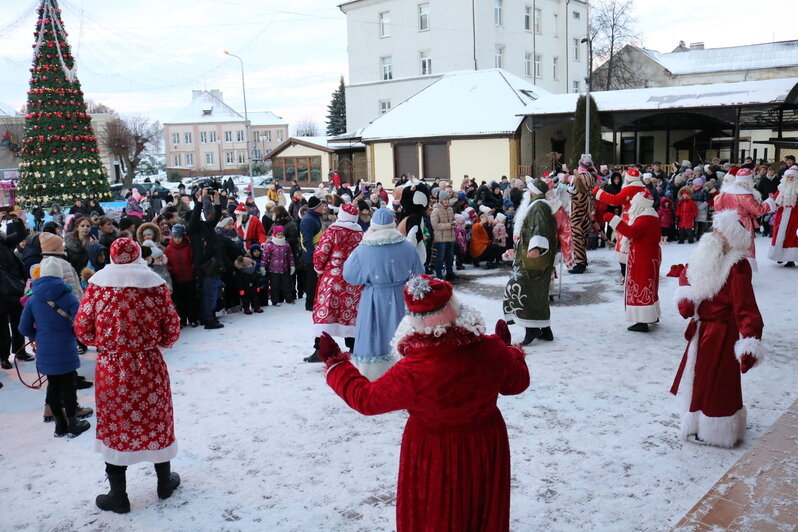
376 268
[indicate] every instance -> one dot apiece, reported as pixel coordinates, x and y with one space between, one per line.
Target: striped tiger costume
581 208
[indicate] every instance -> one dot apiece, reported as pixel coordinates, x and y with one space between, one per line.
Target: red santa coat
622 199
564 235
725 323
748 210
135 420
454 465
336 303
252 232
784 245
641 284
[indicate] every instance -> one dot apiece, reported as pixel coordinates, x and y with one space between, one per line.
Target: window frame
538 66
498 56
384 24
176 160
498 12
189 160
203 137
228 136
188 138
423 16
527 18
425 60
576 45
555 70
537 21
386 68
209 159
384 105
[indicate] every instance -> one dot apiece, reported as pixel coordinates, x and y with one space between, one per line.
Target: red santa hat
642 200
428 301
471 213
125 251
241 210
744 175
632 174
347 213
793 171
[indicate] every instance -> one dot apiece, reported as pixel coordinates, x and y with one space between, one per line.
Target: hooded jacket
56 348
181 260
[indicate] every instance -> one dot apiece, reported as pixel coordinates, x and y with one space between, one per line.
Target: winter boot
167 481
531 334
350 343
5 364
638 327
579 267
83 412
315 356
61 425
48 414
76 426
546 334
116 499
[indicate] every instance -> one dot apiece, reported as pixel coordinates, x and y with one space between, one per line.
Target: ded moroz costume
724 335
641 283
128 314
454 464
784 245
632 185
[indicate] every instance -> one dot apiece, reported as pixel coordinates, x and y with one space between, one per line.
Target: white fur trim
373 370
535 189
468 318
381 237
707 274
125 458
735 190
682 293
751 346
334 329
615 221
778 252
352 226
643 313
132 275
599 193
539 324
717 431
539 241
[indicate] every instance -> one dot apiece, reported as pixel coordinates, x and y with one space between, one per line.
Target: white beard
788 193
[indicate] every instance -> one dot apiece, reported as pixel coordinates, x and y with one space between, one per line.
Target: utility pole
246 122
588 80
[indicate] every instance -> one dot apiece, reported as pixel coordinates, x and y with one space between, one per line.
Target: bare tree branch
611 30
129 139
307 127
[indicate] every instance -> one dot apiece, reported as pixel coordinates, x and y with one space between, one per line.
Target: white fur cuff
599 193
538 241
615 221
751 346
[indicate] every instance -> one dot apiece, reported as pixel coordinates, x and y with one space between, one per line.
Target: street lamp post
588 80
246 121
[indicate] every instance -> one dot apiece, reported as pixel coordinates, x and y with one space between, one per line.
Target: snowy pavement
266 445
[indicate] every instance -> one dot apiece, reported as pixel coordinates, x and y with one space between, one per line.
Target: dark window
436 159
628 150
646 150
299 168
405 159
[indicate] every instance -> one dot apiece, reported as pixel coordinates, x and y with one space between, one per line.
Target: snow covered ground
266 445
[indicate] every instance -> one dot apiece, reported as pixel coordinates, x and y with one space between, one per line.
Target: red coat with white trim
641 285
723 327
784 245
624 200
252 232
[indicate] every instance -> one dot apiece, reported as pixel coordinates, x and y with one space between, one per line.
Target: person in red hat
632 185
784 244
336 303
127 313
724 335
741 197
249 228
454 465
641 284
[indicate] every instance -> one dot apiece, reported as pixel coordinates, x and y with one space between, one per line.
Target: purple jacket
277 258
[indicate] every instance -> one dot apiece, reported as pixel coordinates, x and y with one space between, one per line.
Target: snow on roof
481 102
770 91
265 118
751 57
7 110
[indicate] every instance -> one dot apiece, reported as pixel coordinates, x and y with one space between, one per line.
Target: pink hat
278 229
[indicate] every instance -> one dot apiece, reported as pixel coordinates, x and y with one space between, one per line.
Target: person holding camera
208 262
12 284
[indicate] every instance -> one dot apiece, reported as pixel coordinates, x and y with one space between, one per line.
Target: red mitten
503 332
686 308
329 352
608 216
596 190
747 362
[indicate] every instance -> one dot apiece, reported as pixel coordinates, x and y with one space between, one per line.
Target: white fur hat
728 224
156 251
640 201
500 218
484 209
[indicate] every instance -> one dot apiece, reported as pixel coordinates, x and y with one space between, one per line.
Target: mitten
747 362
608 216
686 308
596 190
503 332
329 352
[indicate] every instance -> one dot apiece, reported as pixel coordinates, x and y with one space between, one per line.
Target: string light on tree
60 148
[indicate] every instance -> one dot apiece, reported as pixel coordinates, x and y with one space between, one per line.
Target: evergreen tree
578 132
336 111
60 157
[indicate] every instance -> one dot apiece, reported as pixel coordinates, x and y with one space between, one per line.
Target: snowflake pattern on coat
132 390
336 300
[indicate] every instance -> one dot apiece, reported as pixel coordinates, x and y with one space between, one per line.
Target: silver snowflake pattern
418 287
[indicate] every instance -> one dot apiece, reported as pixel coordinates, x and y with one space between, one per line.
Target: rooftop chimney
696 46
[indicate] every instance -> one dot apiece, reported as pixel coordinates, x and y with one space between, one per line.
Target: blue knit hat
382 218
179 230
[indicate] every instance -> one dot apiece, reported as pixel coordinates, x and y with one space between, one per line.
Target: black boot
167 481
5 364
76 426
315 356
116 499
638 327
579 267
531 334
61 424
350 344
546 334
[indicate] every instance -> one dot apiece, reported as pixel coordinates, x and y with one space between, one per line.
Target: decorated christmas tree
60 157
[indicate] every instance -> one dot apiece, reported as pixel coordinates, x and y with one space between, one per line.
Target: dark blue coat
56 347
309 233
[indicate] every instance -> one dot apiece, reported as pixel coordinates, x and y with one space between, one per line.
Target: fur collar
708 270
133 275
523 210
382 237
352 226
466 329
735 189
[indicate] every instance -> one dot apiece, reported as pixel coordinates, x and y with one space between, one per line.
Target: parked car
118 191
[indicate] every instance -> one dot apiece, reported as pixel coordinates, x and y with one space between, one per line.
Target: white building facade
398 47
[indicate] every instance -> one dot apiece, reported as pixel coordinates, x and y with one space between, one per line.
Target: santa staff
784 245
724 335
641 284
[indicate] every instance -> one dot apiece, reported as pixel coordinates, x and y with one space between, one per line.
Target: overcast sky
145 56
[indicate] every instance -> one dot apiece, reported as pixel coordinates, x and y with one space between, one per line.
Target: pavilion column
736 140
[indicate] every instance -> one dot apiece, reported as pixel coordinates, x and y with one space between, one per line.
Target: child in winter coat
500 232
460 240
97 258
279 263
686 213
665 213
47 318
181 269
247 268
261 276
